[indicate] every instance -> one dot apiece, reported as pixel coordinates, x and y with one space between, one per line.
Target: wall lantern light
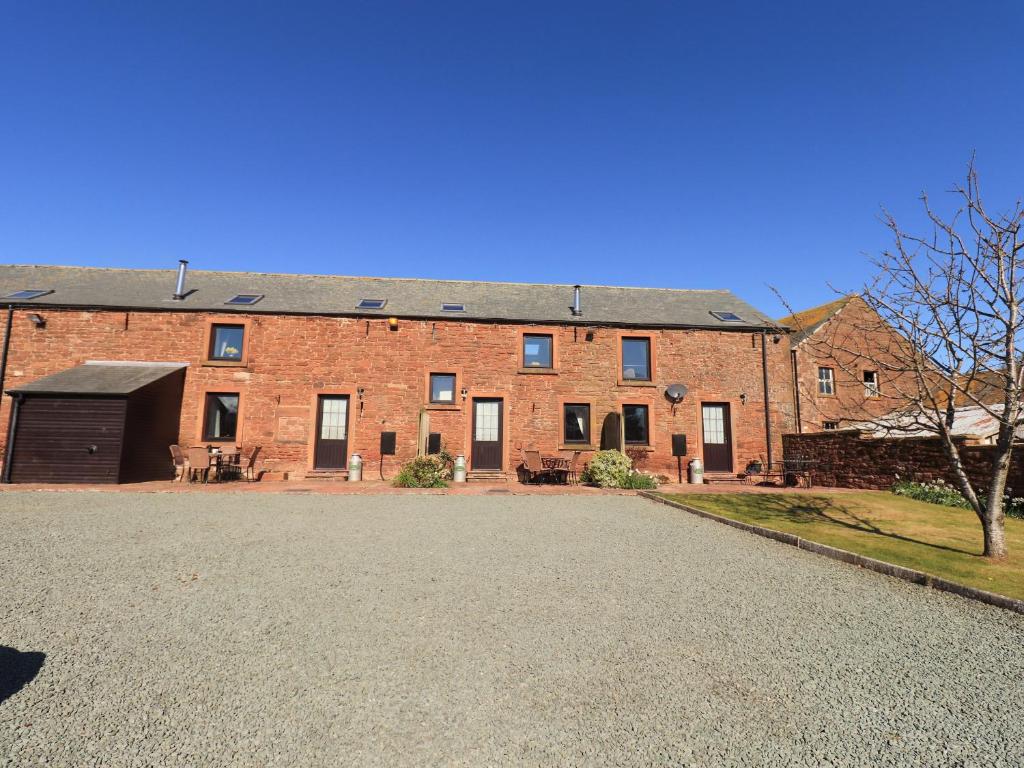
465 393
393 323
360 391
743 398
37 320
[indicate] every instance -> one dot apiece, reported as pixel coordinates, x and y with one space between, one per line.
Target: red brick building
848 365
316 368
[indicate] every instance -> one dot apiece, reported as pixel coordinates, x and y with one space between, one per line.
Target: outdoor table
221 460
558 465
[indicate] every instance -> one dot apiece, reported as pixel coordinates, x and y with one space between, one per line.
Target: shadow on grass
17 669
820 510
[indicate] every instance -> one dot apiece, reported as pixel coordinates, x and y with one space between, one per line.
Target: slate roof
100 378
407 298
805 323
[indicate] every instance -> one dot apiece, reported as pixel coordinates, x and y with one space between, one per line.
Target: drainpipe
767 412
7 346
796 393
12 427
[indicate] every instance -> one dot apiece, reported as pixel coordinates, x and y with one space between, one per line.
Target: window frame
826 428
873 390
831 379
36 293
204 433
430 388
648 443
652 359
209 337
586 442
551 351
213 343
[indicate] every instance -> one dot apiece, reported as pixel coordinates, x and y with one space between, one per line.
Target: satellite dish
676 392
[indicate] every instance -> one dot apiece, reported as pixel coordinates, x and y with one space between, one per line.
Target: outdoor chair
574 464
534 467
180 463
250 465
199 463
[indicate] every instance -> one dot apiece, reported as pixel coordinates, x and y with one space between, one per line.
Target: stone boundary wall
850 459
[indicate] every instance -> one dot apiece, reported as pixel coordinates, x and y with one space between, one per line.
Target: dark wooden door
487 433
717 437
68 440
331 450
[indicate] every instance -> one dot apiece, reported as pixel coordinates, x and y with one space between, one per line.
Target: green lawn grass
942 541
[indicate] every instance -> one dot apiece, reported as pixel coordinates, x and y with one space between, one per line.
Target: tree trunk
993 523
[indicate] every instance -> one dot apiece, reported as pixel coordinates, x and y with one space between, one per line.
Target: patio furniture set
550 469
203 463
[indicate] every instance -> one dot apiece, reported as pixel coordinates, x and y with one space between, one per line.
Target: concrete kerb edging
879 566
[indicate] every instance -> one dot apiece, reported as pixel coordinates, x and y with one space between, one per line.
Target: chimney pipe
179 287
576 311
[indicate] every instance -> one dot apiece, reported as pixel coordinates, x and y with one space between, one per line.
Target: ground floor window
635 425
576 423
442 388
221 419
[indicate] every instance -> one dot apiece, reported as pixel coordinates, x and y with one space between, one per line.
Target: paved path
279 629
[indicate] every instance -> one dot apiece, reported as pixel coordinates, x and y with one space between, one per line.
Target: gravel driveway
309 630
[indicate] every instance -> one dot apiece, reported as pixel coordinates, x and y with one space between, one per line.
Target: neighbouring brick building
315 368
847 365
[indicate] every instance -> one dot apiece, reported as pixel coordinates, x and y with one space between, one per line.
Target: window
537 351
446 307
636 359
727 317
826 381
442 387
576 423
830 425
226 342
28 294
635 425
221 419
371 303
871 384
244 299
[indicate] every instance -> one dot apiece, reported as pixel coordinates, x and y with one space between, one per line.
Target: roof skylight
371 303
447 307
244 299
27 294
727 317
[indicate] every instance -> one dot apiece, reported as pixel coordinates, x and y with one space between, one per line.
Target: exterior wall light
743 398
393 323
360 391
37 320
465 393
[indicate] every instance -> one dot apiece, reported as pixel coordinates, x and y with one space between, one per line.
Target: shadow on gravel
17 669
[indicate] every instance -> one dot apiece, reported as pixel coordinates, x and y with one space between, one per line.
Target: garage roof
99 378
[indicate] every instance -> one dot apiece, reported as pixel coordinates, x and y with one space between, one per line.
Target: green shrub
608 469
424 472
640 481
941 492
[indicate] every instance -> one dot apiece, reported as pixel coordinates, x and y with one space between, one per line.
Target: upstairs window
537 350
220 422
635 425
871 384
826 381
371 303
442 388
636 359
226 342
576 424
830 425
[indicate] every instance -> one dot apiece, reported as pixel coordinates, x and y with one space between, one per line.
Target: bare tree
955 297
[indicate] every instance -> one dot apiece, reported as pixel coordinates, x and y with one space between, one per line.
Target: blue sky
636 143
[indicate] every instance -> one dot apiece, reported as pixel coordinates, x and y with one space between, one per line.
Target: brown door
331 451
717 437
487 433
